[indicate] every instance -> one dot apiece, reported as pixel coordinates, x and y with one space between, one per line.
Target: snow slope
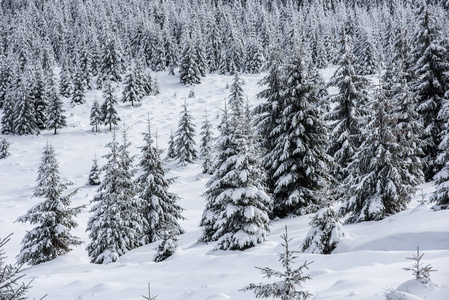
367 262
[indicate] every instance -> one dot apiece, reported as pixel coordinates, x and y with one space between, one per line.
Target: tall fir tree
159 208
7 120
366 54
39 96
381 180
79 88
134 87
94 173
110 114
24 114
206 145
114 227
429 65
188 68
96 116
112 65
55 110
299 157
349 112
171 151
66 83
54 218
184 139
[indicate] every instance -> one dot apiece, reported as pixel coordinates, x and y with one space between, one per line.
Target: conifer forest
224 149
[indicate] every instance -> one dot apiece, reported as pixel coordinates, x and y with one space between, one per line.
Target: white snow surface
367 262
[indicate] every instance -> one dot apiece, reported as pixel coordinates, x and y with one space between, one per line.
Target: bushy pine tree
94 174
112 65
171 151
236 213
188 68
96 116
79 89
299 158
184 139
158 207
200 54
7 120
254 58
236 96
54 218
65 84
325 232
10 275
167 247
366 54
24 114
115 226
349 112
134 90
55 111
4 148
39 96
206 145
110 115
381 180
429 65
292 279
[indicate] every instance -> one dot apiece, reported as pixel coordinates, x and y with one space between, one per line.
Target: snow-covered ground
367 263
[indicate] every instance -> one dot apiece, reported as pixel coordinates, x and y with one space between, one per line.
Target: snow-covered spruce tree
188 68
94 173
429 65
24 119
158 207
10 286
55 110
200 54
381 180
167 247
7 120
184 139
325 232
4 146
254 59
54 218
365 52
115 226
6 77
421 273
171 151
65 83
134 90
96 116
349 112
237 96
206 145
39 96
292 279
237 206
112 65
299 158
110 115
268 114
79 88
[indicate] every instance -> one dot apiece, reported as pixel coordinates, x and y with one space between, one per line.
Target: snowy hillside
367 262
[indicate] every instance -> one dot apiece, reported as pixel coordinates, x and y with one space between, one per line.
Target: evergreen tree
55 111
7 120
168 246
298 159
39 96
79 88
188 68
159 208
428 68
10 286
291 278
133 91
4 145
24 113
184 139
237 96
65 84
112 64
206 145
96 116
114 227
110 115
349 112
200 54
365 52
94 174
381 181
325 232
171 151
54 217
6 78
254 57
